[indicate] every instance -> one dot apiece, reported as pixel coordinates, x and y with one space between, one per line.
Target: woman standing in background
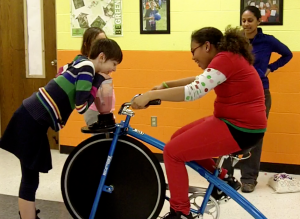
263 46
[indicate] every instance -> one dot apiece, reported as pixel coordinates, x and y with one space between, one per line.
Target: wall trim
65 149
264 166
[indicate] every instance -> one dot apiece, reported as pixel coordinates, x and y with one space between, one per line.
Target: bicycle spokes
212 210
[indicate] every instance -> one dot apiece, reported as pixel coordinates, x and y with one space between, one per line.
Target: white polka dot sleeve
203 83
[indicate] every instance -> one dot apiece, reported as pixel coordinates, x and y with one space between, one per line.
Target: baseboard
65 149
159 157
264 166
280 168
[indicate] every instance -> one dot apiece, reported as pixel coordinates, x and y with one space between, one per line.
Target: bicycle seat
87 130
237 156
241 152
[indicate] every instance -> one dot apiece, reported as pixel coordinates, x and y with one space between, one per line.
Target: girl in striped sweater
26 133
91 115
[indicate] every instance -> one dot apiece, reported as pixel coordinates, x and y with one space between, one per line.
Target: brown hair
233 41
109 47
88 37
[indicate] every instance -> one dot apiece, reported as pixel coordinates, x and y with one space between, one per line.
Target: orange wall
141 70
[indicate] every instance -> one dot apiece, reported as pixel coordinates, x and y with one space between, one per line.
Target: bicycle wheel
135 173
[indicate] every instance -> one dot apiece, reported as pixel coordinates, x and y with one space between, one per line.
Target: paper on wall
34 38
105 14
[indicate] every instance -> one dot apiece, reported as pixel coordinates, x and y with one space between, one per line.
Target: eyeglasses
193 51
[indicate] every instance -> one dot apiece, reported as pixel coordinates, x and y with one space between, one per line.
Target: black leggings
245 140
29 184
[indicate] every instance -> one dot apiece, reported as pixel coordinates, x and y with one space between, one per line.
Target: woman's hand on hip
267 72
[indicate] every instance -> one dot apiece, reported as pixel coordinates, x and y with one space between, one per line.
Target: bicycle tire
135 173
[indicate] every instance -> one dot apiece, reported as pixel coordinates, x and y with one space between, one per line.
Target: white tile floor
274 206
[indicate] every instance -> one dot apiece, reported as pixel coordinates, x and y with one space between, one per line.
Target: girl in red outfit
239 119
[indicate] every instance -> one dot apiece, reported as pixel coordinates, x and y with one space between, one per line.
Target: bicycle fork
102 187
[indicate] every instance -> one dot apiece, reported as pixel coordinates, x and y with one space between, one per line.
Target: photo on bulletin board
271 10
154 16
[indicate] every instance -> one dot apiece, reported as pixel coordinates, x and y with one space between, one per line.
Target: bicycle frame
123 128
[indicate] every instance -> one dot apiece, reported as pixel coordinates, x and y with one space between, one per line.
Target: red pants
199 141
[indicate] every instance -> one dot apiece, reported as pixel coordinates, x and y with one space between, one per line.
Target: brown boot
248 187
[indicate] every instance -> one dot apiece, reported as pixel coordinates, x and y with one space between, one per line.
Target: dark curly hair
232 40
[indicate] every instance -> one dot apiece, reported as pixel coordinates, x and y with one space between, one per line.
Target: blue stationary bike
113 175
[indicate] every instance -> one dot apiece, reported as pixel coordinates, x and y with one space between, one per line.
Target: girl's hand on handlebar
141 101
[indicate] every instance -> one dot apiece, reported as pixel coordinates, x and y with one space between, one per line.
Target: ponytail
234 41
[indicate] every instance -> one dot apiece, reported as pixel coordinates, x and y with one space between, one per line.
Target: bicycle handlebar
128 104
154 102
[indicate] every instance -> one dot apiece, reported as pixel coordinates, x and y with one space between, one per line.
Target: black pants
250 167
29 184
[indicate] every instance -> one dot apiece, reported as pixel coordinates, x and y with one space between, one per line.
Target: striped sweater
74 88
